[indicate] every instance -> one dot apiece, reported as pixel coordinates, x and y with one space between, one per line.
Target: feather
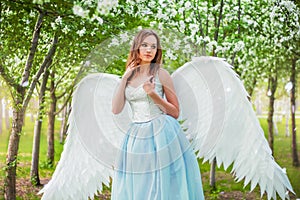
92 142
223 125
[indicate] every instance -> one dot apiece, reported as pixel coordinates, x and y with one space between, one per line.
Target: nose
148 49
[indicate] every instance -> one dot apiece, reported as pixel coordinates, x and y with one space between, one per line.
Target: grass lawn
227 188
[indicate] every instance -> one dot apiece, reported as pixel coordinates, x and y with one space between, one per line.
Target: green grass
224 180
25 154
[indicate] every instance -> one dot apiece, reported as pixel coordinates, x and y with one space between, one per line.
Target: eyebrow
149 43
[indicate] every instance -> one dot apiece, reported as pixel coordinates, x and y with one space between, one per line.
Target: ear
138 61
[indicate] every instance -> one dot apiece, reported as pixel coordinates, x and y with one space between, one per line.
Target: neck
144 67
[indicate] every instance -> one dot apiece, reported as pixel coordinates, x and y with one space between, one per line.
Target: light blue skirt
157 163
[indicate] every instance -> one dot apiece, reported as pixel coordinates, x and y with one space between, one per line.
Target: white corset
142 106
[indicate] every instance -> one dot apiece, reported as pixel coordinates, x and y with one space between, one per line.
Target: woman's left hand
149 86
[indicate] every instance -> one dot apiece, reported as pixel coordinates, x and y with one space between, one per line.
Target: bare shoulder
164 75
163 71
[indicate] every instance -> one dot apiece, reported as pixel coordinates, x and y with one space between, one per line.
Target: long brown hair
133 56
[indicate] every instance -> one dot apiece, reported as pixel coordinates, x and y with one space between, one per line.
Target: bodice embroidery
142 106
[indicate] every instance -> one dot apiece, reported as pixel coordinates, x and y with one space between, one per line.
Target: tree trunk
239 31
34 171
20 104
31 117
251 88
63 126
1 117
272 89
287 118
275 120
6 114
13 146
51 121
212 180
258 103
293 108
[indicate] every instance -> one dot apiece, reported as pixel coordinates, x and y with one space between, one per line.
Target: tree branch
297 54
46 9
219 21
62 77
239 30
33 48
66 102
46 63
198 17
7 78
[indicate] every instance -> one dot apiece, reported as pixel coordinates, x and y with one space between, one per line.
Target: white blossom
211 44
199 39
187 5
290 6
170 55
187 49
17 60
181 10
41 1
194 28
124 37
81 32
99 19
114 42
161 15
181 24
65 29
32 14
219 48
160 26
153 23
53 25
239 46
87 63
104 6
288 86
206 39
176 44
88 2
78 10
173 12
58 20
151 4
146 12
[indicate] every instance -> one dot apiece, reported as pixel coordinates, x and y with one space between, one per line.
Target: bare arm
118 100
171 106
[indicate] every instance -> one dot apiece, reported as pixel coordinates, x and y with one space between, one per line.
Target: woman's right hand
128 71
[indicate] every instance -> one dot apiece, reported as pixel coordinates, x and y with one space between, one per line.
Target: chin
147 61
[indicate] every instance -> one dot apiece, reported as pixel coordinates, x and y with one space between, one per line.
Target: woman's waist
146 117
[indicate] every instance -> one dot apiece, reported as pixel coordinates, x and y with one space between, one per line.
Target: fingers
129 70
132 65
151 79
149 83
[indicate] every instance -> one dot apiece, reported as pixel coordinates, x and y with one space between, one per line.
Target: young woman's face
148 49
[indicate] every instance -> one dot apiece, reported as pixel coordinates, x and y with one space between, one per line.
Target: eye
153 47
144 45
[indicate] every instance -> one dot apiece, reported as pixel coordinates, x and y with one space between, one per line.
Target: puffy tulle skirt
156 163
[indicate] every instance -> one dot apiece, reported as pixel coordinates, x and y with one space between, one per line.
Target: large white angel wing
92 143
220 122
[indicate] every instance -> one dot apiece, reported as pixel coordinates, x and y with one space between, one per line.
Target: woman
157 161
